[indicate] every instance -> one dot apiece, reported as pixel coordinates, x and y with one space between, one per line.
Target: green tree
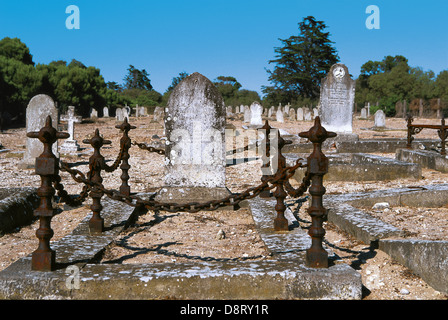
137 79
74 84
441 86
19 80
174 82
228 86
16 50
301 63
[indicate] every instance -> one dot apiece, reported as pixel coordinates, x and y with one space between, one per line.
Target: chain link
149 148
231 200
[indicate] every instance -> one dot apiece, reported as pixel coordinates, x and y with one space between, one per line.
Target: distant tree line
303 61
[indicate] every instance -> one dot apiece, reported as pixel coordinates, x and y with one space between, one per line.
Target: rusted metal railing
414 129
317 166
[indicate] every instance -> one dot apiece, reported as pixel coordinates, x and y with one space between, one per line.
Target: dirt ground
223 235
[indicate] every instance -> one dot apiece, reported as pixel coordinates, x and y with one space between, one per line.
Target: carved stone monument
337 100
195 120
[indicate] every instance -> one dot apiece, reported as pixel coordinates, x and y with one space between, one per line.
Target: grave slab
281 276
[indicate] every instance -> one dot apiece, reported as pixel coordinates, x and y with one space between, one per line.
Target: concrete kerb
428 259
361 167
16 207
425 158
281 276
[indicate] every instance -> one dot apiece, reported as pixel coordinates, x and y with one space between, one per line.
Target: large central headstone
195 120
337 95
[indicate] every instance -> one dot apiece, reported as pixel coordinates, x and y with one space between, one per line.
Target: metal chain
149 148
191 207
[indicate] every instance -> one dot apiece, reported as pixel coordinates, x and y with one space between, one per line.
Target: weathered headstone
292 114
229 111
307 116
126 111
195 120
279 115
119 115
93 113
38 109
256 111
158 115
300 114
337 100
246 114
105 112
70 145
363 113
380 119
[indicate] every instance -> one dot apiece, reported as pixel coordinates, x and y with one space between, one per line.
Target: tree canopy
301 63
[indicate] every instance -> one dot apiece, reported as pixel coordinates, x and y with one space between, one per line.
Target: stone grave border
428 259
281 276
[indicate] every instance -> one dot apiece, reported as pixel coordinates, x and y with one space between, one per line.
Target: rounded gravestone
195 119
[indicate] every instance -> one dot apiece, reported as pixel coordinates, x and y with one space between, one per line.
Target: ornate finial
317 133
125 126
97 141
48 134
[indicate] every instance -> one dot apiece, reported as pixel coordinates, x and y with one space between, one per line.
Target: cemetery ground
179 237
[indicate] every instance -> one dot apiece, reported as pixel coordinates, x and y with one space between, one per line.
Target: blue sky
231 38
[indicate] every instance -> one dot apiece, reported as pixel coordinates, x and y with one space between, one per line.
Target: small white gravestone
380 119
256 111
279 115
105 112
300 116
246 114
119 115
364 113
158 115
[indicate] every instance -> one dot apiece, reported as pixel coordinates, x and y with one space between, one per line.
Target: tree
19 80
228 86
441 86
176 80
75 84
16 50
301 63
137 79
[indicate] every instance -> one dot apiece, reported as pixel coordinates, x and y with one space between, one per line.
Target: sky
221 38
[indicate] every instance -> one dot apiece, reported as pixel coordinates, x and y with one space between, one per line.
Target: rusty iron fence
274 184
414 129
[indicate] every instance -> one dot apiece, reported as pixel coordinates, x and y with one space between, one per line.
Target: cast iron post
316 256
96 164
125 144
44 258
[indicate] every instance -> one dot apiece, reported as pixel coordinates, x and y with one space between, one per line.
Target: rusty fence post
266 166
280 222
316 256
44 258
125 145
96 164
